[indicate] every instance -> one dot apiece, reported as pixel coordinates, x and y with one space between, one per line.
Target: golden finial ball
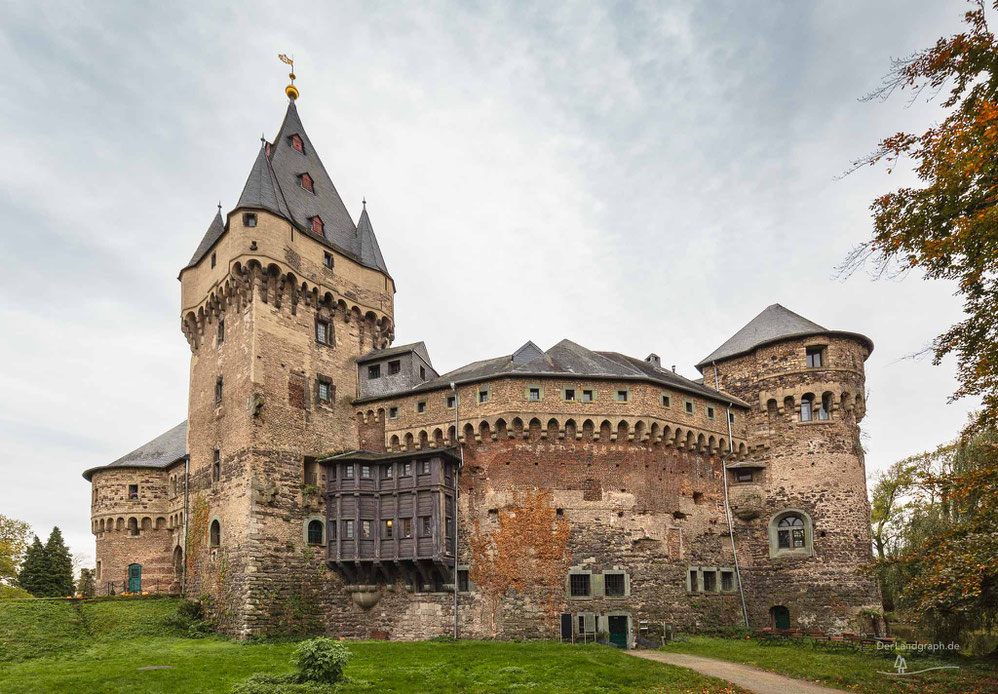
292 91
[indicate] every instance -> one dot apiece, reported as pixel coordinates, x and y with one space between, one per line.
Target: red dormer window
298 145
316 225
306 182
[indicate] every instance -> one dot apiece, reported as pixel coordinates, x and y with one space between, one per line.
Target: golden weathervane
291 90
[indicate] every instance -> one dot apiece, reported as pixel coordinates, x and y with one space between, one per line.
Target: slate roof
273 185
776 322
417 347
161 452
567 359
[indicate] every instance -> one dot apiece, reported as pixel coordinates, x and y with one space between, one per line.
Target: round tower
799 499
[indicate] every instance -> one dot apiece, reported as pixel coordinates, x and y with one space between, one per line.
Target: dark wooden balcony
390 516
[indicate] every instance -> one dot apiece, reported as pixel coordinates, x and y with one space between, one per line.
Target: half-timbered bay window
403 504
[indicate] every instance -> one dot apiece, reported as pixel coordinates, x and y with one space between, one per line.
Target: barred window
579 585
614 584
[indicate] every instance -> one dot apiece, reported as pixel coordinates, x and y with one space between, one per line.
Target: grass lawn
853 671
58 646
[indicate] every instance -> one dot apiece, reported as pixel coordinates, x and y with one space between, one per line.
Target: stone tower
799 499
280 299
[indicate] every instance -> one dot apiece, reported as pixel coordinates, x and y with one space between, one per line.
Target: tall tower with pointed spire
281 297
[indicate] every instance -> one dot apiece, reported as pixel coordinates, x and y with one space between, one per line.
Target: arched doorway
780 616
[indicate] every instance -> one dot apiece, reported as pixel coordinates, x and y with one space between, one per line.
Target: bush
190 619
321 660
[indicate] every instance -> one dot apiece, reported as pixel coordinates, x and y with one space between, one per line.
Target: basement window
579 585
374 371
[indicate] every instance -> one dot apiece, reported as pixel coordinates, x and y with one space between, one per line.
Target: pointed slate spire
370 253
215 231
262 191
773 323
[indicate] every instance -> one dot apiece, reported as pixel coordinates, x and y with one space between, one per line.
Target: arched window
807 408
825 408
133 526
315 532
790 533
215 534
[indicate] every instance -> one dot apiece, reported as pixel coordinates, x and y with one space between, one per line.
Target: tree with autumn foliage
526 552
947 227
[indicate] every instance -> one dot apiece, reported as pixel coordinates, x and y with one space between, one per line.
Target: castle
324 476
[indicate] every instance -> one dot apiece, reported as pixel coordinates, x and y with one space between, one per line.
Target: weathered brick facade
634 457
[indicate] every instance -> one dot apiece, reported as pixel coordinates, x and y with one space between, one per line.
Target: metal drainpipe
727 508
457 493
187 486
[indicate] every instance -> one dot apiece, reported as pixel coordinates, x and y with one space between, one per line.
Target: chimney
654 360
673 368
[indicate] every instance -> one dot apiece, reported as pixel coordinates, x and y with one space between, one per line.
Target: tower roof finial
363 201
291 90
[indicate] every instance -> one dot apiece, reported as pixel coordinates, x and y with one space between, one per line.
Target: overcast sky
634 177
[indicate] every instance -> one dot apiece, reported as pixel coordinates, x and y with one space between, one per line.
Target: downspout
727 508
457 493
187 485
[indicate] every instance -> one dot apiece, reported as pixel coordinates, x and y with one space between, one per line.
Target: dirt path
745 676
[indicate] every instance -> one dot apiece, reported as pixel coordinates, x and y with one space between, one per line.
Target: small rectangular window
324 391
462 580
133 491
570 394
709 581
743 475
406 527
727 581
221 330
249 219
374 371
450 402
365 530
421 406
814 357
690 409
327 260
323 332
623 395
426 526
407 469
449 527
218 390
483 395
424 467
365 472
587 396
614 584
387 471
422 373
694 581
387 529
731 417
710 412
535 394
393 413
213 259
394 367
666 400
348 530
579 585
348 471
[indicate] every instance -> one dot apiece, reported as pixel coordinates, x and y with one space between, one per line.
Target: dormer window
316 223
297 144
305 181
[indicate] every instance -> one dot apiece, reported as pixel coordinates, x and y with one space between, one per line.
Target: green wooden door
135 578
618 630
781 617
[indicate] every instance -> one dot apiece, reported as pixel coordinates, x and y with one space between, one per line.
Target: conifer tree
33 569
59 581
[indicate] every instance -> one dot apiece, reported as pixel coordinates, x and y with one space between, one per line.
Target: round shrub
320 660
